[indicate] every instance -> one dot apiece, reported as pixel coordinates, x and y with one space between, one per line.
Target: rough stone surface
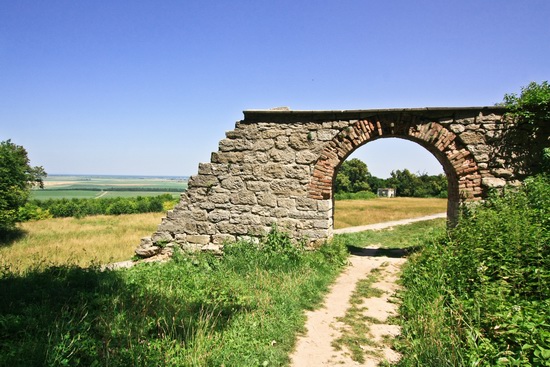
148 251
278 166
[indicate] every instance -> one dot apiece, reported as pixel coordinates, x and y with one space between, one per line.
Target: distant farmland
92 186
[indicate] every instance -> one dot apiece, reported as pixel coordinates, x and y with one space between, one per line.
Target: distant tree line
354 180
60 208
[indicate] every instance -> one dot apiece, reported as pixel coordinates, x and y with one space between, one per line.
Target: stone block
300 141
226 145
324 205
263 145
281 142
220 239
493 182
326 135
243 198
472 138
304 203
296 172
257 186
198 239
288 188
233 183
284 156
203 181
305 157
218 215
212 248
162 237
266 199
273 170
149 251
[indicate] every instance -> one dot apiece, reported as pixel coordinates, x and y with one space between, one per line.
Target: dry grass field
90 240
351 213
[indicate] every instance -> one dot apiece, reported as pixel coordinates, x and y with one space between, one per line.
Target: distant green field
68 187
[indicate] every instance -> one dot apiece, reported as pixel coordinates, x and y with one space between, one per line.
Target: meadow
83 241
351 213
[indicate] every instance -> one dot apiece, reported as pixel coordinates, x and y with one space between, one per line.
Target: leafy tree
17 178
353 176
532 105
531 110
404 181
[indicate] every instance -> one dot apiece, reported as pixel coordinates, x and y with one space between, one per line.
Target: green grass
406 238
243 309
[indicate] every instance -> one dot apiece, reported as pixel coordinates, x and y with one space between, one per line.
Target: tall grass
84 241
242 309
480 295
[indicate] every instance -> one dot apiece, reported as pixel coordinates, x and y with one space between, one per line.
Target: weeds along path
352 327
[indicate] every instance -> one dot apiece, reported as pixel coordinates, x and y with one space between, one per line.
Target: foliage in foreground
480 295
196 310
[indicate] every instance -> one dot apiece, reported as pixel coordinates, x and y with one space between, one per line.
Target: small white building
386 192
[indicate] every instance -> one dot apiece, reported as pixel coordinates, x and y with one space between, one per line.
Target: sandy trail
315 348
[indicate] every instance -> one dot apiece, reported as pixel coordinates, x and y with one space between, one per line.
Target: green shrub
61 208
361 195
480 295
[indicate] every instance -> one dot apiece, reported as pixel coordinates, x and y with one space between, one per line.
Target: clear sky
150 87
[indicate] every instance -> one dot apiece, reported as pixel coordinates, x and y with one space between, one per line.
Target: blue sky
150 87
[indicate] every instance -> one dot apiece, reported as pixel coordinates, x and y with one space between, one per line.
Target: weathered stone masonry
279 167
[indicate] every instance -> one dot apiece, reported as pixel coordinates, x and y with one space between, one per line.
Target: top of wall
282 115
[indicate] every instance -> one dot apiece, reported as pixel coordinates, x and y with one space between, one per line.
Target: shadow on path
385 252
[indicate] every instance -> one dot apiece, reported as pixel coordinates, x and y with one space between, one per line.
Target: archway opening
389 179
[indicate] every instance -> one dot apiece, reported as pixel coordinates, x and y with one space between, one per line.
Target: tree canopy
353 176
17 177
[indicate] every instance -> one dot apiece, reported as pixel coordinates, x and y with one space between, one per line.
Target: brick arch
459 165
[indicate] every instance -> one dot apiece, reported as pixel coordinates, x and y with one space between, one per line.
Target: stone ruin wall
277 167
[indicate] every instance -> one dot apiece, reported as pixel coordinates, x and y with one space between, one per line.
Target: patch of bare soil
325 326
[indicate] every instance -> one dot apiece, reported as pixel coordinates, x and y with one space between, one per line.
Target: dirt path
389 224
103 193
325 325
